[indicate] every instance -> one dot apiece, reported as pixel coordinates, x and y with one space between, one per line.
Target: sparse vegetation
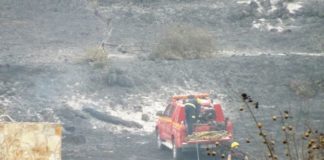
97 57
184 42
305 89
320 84
291 143
305 145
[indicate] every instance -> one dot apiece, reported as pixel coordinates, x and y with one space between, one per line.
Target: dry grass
305 89
184 42
93 3
97 57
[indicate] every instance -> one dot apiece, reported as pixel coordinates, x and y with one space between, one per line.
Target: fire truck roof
179 97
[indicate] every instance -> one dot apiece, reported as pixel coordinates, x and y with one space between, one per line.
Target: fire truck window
167 110
172 110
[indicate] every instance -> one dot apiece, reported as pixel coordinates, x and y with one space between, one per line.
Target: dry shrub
93 3
184 42
97 56
293 144
320 84
303 88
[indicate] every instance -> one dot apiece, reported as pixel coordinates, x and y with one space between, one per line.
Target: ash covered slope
43 77
34 32
243 25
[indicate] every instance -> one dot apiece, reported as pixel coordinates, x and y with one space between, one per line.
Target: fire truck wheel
159 141
176 152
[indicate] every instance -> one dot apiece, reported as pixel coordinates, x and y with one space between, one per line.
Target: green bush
184 42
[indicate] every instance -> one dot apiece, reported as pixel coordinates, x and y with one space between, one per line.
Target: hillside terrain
271 49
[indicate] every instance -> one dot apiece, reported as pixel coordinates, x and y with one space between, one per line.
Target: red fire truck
171 128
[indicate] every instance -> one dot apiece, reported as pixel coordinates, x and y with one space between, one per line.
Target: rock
287 31
69 128
145 117
122 49
138 109
273 30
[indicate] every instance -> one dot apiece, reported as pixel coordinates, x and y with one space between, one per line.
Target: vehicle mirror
159 113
